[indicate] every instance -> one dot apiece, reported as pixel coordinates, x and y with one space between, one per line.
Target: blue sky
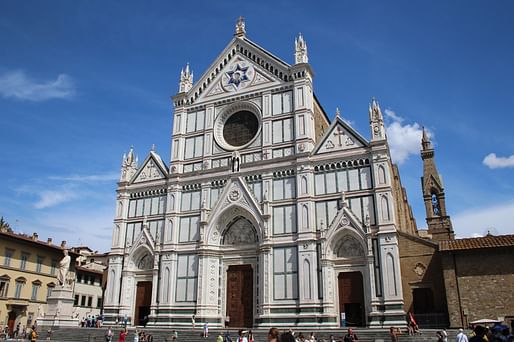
82 81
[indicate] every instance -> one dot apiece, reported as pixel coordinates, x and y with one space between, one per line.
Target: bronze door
143 302
240 296
351 298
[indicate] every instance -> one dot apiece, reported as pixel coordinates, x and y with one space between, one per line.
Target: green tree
4 225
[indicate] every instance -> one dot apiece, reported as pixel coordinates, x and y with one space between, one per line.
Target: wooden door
10 322
351 298
240 296
143 301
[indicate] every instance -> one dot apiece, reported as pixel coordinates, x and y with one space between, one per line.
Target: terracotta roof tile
489 241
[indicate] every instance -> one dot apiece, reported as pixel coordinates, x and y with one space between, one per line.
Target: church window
190 201
326 211
282 102
284 219
195 121
284 188
256 189
147 206
343 181
194 147
169 231
301 122
353 179
133 230
240 128
156 227
178 117
285 273
187 275
215 194
189 229
282 130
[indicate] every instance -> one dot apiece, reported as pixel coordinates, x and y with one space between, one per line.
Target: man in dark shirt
351 336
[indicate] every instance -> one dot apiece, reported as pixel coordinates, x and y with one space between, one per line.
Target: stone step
164 335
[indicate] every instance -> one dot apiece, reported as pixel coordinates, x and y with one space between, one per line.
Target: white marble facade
258 176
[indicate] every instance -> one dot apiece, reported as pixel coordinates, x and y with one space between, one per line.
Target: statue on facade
64 268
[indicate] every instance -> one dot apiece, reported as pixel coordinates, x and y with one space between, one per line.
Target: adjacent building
28 274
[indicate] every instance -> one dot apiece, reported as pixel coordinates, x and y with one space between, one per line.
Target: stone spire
240 27
376 121
300 54
338 113
128 165
186 80
438 221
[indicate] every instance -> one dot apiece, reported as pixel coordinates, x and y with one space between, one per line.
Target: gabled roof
241 47
153 168
352 138
488 241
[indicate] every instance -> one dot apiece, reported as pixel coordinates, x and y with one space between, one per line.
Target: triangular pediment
236 192
152 169
242 66
339 137
432 182
345 219
143 239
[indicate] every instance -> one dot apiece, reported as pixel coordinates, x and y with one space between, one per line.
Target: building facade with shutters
28 274
268 214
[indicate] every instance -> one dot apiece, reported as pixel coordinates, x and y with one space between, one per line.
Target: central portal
351 298
143 302
240 296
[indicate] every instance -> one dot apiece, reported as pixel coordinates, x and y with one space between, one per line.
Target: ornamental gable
339 137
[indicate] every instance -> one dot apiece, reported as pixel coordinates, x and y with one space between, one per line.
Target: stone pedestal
60 309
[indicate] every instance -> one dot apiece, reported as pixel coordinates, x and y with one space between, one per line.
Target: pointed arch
391 278
381 175
307 289
223 217
305 216
303 185
386 213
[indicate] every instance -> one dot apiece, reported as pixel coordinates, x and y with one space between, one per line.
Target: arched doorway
239 236
143 290
351 298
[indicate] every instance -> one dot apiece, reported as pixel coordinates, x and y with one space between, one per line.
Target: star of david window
240 128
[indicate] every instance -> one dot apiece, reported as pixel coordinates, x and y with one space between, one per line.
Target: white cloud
404 140
50 198
494 162
499 219
88 178
16 84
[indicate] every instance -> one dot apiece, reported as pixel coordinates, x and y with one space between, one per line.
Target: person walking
123 334
206 329
193 321
461 337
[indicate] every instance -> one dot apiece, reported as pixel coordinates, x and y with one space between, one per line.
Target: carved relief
349 247
419 269
241 231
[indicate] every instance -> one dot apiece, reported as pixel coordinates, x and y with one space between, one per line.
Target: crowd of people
91 321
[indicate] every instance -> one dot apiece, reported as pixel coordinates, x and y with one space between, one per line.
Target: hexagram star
237 76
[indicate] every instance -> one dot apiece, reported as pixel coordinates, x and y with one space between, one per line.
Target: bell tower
438 221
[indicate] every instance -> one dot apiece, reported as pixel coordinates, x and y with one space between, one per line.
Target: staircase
261 335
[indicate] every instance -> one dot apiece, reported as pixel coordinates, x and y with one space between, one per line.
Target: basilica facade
268 214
